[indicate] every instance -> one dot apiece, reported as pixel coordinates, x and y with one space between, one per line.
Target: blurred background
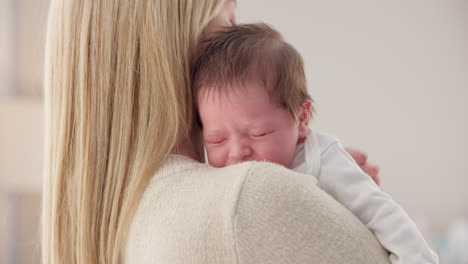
388 77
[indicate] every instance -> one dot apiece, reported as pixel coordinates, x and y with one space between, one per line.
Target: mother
124 182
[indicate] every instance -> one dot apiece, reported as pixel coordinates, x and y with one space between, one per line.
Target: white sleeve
342 178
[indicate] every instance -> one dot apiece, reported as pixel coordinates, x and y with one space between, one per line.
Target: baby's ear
303 118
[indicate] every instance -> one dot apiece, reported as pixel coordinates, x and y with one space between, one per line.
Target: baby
253 104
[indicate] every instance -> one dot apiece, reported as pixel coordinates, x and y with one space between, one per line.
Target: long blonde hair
118 100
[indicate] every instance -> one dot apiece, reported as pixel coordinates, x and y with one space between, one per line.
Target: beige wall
31 42
19 232
22 39
6 45
21 146
21 162
389 77
3 229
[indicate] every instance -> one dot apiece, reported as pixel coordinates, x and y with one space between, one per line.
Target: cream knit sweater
254 212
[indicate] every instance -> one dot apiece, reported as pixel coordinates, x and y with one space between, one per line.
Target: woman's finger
359 156
372 171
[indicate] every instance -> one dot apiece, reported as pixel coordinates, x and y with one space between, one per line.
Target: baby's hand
361 159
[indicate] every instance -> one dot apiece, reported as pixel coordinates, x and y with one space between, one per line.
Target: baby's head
251 96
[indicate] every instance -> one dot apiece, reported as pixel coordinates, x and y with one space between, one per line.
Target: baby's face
245 124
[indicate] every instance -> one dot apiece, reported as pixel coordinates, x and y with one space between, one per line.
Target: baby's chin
286 164
222 165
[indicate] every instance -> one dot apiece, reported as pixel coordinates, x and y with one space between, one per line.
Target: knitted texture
254 212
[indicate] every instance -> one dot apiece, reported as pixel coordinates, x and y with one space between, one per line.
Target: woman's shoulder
283 216
189 209
265 175
254 212
248 180
186 212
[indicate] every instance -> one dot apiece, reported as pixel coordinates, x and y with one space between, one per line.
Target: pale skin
192 147
245 124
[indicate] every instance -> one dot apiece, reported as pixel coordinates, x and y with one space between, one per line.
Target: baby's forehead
238 87
250 104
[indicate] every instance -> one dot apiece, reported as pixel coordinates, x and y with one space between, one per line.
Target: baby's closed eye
213 140
260 134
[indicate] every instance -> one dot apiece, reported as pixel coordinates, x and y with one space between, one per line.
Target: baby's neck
300 141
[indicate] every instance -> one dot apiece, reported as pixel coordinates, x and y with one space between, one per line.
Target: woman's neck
192 147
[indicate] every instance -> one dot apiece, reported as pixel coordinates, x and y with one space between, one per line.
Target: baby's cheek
215 158
282 154
267 151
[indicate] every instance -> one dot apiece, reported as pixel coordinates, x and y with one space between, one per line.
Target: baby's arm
342 178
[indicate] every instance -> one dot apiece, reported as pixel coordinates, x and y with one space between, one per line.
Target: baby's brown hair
252 51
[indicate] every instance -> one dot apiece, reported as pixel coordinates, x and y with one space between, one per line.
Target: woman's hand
361 159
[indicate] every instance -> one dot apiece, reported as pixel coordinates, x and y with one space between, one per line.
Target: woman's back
247 213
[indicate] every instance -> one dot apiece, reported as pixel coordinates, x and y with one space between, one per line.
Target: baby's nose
240 152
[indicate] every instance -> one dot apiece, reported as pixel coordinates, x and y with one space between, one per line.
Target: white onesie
338 174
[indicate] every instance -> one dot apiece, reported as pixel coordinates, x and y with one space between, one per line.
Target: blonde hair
118 100
257 51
